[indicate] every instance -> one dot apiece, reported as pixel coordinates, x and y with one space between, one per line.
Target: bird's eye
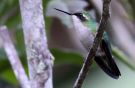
81 16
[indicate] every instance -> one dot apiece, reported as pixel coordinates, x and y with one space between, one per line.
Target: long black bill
106 61
63 11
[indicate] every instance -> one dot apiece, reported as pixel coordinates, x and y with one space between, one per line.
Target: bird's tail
106 61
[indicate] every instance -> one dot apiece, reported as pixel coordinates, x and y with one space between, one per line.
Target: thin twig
40 60
101 29
13 57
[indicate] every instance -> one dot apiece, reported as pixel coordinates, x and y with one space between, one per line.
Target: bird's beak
63 11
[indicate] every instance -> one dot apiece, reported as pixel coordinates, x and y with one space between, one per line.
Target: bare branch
13 57
101 29
40 60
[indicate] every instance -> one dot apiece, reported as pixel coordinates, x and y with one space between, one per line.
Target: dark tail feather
106 68
106 62
105 48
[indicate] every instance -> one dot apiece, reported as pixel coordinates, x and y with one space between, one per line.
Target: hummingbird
104 57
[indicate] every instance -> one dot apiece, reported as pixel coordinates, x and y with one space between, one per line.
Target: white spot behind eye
85 17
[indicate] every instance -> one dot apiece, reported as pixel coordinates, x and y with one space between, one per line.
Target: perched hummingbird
103 56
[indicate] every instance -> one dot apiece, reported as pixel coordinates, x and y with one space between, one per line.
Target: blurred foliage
67 64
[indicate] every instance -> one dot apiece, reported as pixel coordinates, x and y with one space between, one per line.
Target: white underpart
84 34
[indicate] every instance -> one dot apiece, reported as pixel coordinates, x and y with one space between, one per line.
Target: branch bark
101 29
40 60
13 57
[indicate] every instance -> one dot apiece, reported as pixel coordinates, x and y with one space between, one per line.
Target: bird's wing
106 61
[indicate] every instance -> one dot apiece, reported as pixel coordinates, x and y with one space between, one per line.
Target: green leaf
122 57
66 57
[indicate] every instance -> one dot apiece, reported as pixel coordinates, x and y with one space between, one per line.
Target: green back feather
90 23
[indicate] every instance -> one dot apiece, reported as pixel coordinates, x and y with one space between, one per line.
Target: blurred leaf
66 57
4 65
9 76
122 57
6 71
6 6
